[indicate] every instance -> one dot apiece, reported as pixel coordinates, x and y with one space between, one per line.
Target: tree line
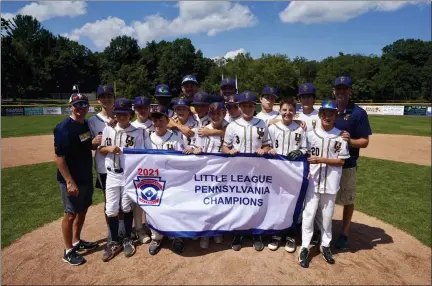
36 63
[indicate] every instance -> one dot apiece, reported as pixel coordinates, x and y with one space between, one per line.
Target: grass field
16 126
30 198
396 193
409 125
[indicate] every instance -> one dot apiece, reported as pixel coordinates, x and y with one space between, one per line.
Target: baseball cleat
274 243
85 245
257 243
218 239
112 249
204 242
342 242
128 247
290 245
142 237
154 246
304 257
327 254
178 245
237 242
73 258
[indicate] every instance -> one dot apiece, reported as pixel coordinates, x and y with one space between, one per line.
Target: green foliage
35 62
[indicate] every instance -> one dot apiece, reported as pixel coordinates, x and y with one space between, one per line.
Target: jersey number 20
315 151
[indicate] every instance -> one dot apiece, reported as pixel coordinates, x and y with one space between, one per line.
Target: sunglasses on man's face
81 104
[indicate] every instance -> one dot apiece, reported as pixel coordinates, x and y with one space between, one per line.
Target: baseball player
185 118
123 135
256 140
189 86
268 97
328 152
97 123
142 111
200 102
289 139
227 87
164 139
307 95
233 109
163 97
204 130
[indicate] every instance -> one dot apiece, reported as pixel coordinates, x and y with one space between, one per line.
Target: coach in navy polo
73 150
353 120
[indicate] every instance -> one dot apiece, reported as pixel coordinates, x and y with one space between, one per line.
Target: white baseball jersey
326 144
230 119
148 125
247 136
312 120
287 138
130 137
267 116
97 123
192 123
169 141
209 144
204 121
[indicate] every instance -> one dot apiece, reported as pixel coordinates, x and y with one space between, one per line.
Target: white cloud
309 12
233 54
46 10
210 17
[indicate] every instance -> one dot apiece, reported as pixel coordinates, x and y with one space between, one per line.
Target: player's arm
274 121
228 147
266 141
204 131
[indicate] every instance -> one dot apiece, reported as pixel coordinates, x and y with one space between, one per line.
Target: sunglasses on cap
81 104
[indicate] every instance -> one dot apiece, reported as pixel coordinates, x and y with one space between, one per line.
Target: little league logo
149 190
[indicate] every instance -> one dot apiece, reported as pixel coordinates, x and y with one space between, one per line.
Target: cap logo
122 103
189 78
305 88
247 95
342 79
163 89
271 89
199 96
105 89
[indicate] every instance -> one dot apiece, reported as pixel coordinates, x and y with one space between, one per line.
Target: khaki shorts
347 192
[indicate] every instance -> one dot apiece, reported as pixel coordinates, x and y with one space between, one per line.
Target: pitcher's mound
380 254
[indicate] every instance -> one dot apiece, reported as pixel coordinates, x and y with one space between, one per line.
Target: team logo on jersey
170 146
129 141
297 138
337 146
260 132
346 116
149 190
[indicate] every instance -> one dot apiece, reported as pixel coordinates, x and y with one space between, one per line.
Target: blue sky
314 30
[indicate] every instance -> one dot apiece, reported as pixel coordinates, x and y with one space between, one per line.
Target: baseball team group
195 122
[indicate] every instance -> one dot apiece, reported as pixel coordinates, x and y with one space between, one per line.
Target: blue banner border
253 231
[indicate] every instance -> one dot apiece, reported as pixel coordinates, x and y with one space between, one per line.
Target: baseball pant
324 204
115 198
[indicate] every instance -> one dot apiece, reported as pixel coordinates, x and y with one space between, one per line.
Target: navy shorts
77 204
101 181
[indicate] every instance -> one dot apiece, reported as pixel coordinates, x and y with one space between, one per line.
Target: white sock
68 250
75 243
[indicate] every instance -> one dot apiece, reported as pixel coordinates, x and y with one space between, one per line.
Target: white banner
215 194
392 110
52 110
372 109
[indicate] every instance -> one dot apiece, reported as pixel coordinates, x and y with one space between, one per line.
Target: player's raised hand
272 152
203 131
72 189
234 151
302 124
345 135
187 131
97 140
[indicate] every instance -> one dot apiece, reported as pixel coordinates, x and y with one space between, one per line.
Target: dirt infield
380 254
17 151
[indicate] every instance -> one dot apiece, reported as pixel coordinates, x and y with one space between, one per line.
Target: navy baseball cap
270 90
329 104
162 90
189 78
180 102
306 88
122 105
216 98
247 96
105 89
343 80
78 97
216 106
157 111
231 99
201 97
141 100
227 82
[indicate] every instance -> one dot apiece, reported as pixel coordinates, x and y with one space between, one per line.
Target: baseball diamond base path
380 254
17 151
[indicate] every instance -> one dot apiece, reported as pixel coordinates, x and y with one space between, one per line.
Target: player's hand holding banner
214 194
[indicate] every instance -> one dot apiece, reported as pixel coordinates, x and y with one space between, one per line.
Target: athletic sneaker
274 243
85 245
73 258
112 249
290 244
304 257
142 236
178 245
316 237
154 247
237 242
327 254
257 242
204 242
342 242
218 239
128 247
